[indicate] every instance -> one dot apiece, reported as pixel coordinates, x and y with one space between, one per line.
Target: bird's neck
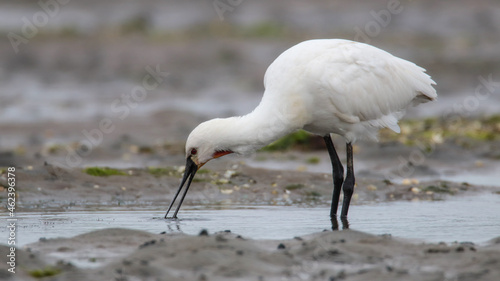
257 129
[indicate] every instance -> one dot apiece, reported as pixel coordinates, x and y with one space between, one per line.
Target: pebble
410 181
302 168
147 243
226 191
415 190
221 181
181 169
437 138
229 174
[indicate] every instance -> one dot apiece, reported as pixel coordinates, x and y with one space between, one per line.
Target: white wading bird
322 86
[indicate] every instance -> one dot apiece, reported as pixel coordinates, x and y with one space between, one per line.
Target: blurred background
122 83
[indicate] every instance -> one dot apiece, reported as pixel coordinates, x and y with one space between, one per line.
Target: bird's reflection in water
171 227
335 223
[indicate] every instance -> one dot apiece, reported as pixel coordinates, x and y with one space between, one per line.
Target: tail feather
388 121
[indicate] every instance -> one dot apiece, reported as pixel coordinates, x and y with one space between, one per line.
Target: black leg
348 186
345 223
335 223
338 175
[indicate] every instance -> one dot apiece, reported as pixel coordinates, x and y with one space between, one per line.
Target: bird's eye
194 151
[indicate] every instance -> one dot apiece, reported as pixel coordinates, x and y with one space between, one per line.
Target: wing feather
371 84
344 87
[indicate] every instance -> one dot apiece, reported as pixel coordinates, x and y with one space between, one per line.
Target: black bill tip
189 172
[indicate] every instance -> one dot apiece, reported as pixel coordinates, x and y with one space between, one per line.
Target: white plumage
322 86
346 87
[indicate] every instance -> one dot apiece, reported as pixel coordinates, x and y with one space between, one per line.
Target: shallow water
469 218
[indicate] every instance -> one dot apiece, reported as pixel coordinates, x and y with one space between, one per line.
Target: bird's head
205 143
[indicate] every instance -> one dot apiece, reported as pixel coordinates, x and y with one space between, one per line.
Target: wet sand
122 254
51 187
125 254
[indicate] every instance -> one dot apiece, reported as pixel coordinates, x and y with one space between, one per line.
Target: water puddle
468 218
